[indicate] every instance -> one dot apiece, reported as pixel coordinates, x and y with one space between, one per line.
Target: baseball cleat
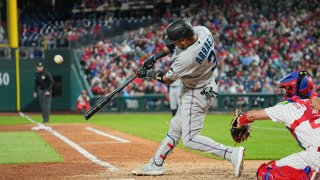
237 160
149 169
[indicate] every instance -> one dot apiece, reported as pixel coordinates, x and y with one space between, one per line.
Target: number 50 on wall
4 79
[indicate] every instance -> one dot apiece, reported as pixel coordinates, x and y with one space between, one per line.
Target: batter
195 63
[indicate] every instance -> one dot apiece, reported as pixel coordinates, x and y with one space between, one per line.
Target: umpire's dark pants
45 105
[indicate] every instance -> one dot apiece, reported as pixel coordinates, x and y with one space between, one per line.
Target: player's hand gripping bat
147 64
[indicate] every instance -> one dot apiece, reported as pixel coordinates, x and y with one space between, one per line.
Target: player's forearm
159 76
167 50
253 115
167 81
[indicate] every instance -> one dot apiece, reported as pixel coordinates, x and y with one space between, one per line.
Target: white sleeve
285 113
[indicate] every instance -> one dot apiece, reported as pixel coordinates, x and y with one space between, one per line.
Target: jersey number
212 58
314 125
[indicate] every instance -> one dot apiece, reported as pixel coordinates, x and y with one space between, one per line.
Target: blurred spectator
252 50
175 96
2 33
242 101
255 41
83 102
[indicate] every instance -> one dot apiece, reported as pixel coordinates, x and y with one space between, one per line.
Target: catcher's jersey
307 132
196 65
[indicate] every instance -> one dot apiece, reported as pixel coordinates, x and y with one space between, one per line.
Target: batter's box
120 140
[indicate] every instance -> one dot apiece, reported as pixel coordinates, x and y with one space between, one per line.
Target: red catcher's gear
270 171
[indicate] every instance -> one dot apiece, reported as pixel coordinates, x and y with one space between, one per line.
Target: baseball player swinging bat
148 64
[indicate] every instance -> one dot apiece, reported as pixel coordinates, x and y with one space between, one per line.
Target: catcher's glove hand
239 133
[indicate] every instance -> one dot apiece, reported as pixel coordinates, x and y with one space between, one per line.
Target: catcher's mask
297 83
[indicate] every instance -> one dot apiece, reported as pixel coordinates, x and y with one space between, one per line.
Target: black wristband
159 77
160 55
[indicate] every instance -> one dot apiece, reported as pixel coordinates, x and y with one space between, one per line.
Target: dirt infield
123 156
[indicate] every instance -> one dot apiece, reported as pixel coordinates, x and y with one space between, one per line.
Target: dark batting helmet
177 30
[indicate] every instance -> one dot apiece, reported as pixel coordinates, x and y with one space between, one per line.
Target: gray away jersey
196 65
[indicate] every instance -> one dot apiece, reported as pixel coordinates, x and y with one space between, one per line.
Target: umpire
43 80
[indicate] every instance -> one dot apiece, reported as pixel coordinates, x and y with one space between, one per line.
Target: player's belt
174 86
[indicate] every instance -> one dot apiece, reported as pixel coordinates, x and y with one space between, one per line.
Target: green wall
66 87
8 96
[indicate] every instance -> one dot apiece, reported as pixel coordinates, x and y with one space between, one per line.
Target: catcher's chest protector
308 114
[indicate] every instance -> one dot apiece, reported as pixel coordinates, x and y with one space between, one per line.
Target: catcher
298 114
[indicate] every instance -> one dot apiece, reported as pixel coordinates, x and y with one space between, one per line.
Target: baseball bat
106 99
109 97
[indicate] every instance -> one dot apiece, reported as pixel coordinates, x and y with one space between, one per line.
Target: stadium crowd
86 21
257 43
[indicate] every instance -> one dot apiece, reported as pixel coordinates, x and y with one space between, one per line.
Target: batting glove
142 72
149 62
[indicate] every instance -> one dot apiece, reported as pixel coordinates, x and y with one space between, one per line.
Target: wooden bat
106 99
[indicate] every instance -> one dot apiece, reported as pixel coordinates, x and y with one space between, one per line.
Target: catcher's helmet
177 30
297 83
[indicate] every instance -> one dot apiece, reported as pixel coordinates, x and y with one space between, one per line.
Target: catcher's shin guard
164 150
270 171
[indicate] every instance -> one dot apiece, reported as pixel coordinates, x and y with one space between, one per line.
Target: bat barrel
87 115
99 105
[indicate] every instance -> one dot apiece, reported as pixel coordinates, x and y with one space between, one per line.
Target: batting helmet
297 83
177 30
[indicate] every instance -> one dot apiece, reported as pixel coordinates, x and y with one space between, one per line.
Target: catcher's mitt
239 133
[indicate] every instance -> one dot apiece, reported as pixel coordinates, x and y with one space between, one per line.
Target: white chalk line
107 135
101 142
82 151
269 128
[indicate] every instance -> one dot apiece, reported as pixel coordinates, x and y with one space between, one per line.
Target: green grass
268 140
12 120
25 147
